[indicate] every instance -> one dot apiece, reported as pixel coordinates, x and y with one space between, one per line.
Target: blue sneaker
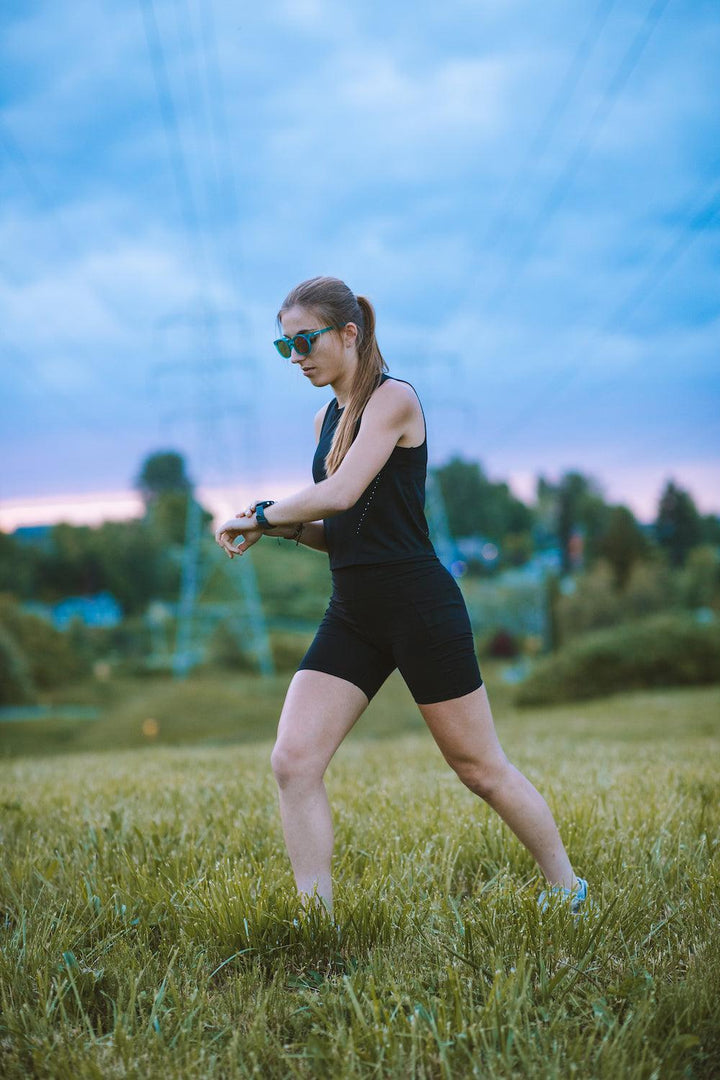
577 896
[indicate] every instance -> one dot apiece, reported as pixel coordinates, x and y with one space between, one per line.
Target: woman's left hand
228 533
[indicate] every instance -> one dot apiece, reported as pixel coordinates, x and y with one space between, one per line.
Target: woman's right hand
228 533
248 539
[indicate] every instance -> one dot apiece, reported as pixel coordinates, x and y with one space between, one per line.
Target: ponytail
369 369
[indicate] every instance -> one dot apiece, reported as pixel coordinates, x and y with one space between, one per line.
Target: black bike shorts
409 615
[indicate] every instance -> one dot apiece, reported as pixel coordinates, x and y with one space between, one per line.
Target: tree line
139 559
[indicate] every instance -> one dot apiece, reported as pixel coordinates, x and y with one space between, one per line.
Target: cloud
377 144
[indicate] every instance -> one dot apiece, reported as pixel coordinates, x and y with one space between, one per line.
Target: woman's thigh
464 730
318 713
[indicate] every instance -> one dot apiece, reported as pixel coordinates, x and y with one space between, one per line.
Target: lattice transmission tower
220 421
203 183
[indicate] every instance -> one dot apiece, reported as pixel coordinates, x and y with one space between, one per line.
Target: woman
393 603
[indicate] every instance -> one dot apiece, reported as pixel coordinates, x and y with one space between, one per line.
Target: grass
147 903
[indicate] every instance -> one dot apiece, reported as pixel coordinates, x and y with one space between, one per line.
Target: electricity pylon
241 611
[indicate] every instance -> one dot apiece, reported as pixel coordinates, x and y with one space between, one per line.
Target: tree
678 526
477 506
700 578
166 490
161 473
580 506
710 525
623 544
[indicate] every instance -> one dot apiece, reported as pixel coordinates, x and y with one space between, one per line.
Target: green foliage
662 650
18 564
166 517
161 473
75 564
710 529
597 602
136 566
700 578
623 544
48 654
678 526
580 507
476 506
125 558
652 588
289 648
225 649
294 582
517 548
148 910
16 682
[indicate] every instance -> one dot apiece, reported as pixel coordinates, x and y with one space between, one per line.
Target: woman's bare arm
313 534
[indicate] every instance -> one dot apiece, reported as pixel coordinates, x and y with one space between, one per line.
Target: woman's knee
484 778
292 766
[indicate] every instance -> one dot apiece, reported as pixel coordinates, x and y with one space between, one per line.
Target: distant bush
225 651
700 578
288 648
596 602
16 684
50 656
662 650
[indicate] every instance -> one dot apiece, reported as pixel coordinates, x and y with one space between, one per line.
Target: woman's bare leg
464 730
318 713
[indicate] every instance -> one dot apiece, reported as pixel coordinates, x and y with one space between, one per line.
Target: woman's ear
350 334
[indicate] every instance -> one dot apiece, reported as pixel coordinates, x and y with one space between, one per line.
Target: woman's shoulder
395 395
319 418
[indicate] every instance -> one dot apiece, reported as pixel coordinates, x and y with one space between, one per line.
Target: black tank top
387 523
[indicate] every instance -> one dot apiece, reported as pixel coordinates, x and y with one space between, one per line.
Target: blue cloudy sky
529 193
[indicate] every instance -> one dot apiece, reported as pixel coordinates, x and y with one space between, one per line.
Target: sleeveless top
387 523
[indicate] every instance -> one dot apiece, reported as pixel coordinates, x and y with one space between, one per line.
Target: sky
528 193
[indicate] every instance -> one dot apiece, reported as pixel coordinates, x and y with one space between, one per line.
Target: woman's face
330 353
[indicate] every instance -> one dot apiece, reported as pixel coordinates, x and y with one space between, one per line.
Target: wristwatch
260 514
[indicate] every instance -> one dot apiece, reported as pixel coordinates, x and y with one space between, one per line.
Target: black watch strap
260 514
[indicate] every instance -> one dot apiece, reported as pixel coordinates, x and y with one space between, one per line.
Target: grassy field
147 906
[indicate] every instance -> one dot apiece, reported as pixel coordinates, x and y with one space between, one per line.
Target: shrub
596 602
288 648
50 657
225 651
16 684
700 578
662 650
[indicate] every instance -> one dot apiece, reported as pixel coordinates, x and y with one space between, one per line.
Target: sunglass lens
283 347
302 345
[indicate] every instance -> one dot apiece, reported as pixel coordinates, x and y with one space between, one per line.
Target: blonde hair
336 305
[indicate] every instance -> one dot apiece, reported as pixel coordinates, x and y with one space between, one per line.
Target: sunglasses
301 343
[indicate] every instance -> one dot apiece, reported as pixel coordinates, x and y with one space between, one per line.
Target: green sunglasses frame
289 342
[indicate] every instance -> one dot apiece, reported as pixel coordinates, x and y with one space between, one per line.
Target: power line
196 548
550 121
579 154
701 218
168 116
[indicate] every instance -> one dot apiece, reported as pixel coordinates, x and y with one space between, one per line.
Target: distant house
34 536
101 610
